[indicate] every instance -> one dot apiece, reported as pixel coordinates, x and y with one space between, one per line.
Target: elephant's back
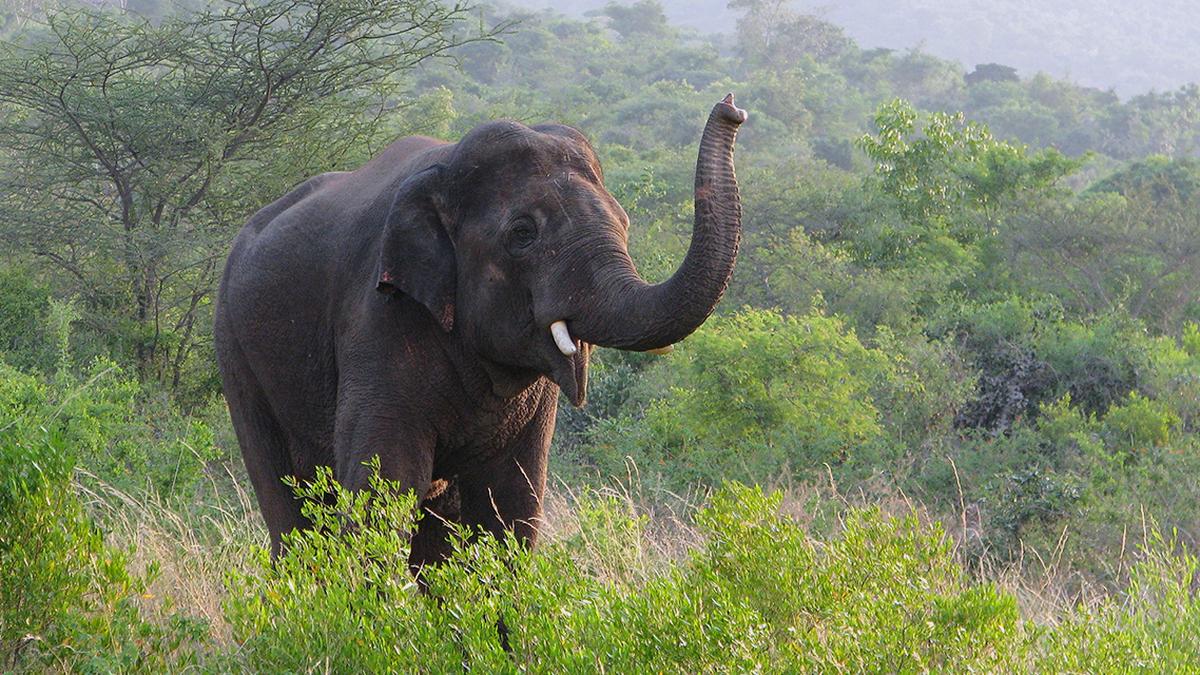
324 228
274 251
294 274
271 320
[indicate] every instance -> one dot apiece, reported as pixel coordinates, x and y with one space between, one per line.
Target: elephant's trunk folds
638 316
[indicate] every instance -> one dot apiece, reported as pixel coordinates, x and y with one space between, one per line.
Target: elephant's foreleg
440 510
367 429
506 495
369 426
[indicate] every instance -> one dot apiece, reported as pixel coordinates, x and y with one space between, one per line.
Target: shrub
1191 339
66 598
1098 363
927 387
1033 493
1174 376
108 425
759 594
1029 355
1013 379
1139 423
1151 629
875 598
748 396
22 303
342 596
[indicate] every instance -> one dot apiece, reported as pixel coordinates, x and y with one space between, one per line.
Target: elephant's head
514 244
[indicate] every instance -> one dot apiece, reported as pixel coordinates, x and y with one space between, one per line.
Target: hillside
1132 47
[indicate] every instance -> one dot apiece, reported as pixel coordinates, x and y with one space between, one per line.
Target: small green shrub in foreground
1156 629
885 595
759 593
342 597
67 599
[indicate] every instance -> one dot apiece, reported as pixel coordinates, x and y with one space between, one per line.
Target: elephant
427 308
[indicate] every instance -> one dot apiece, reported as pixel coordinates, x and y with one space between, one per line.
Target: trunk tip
730 111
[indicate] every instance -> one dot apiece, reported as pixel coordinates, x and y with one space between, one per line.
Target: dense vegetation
961 347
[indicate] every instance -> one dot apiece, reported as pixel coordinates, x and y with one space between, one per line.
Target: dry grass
668 534
190 548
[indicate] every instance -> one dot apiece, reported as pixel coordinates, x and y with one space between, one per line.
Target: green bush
1174 375
1031 493
1098 363
885 594
1139 423
749 396
22 303
1191 339
1152 628
342 597
928 385
875 598
110 425
1028 355
757 592
66 598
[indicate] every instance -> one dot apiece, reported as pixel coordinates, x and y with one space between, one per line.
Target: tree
133 150
1104 253
950 182
1131 242
642 19
992 72
774 36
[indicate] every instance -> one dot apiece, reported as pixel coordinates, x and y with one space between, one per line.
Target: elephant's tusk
661 350
562 338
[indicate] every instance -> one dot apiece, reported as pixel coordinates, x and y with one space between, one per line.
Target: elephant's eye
521 235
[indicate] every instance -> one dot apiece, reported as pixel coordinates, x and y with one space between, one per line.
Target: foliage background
961 351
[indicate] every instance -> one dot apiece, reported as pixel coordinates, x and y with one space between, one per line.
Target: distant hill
1129 45
1132 46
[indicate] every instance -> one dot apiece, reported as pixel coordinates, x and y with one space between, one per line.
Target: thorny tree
132 150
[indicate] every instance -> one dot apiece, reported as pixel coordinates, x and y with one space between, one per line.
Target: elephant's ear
417 256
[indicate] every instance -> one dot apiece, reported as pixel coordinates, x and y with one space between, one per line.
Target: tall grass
185 551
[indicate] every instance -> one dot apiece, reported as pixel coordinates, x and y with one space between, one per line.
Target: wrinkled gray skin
402 310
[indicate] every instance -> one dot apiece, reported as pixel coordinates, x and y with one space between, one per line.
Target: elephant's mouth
579 367
571 373
571 365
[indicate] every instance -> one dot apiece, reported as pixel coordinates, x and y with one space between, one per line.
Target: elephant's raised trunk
631 314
